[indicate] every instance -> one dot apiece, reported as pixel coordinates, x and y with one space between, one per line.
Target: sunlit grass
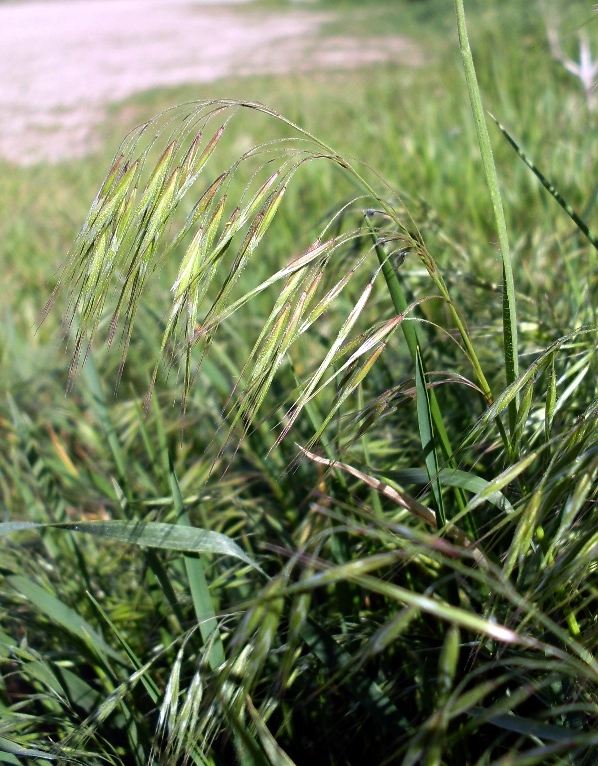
372 626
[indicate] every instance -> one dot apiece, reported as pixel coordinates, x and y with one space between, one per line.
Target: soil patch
63 61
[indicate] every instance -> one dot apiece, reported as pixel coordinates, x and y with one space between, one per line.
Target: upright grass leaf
424 417
550 401
200 593
428 411
100 405
509 305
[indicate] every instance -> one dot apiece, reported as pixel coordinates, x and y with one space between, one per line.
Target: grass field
414 583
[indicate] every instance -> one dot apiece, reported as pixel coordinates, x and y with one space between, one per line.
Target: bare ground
63 61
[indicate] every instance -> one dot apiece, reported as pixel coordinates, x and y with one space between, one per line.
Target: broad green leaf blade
6 746
451 478
502 480
153 534
526 726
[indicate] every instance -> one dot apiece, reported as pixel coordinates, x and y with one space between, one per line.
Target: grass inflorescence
324 486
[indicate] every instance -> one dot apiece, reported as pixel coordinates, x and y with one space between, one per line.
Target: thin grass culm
509 306
300 532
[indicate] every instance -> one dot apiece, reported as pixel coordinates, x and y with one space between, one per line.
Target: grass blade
152 534
550 187
509 305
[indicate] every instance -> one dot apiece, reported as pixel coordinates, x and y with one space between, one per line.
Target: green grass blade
451 478
274 752
428 412
8 749
509 304
148 682
550 188
64 616
426 431
100 406
200 592
153 534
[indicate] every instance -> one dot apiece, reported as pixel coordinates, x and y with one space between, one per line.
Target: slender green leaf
451 478
59 612
509 305
153 534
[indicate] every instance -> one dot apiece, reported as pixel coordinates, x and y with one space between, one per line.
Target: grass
417 580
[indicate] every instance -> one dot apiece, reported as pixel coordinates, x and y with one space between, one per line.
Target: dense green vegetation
338 610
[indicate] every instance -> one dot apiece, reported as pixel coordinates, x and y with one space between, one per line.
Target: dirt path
63 61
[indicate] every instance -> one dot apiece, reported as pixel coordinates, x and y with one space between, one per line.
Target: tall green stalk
509 305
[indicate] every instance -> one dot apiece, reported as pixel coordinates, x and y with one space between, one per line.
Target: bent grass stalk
124 238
